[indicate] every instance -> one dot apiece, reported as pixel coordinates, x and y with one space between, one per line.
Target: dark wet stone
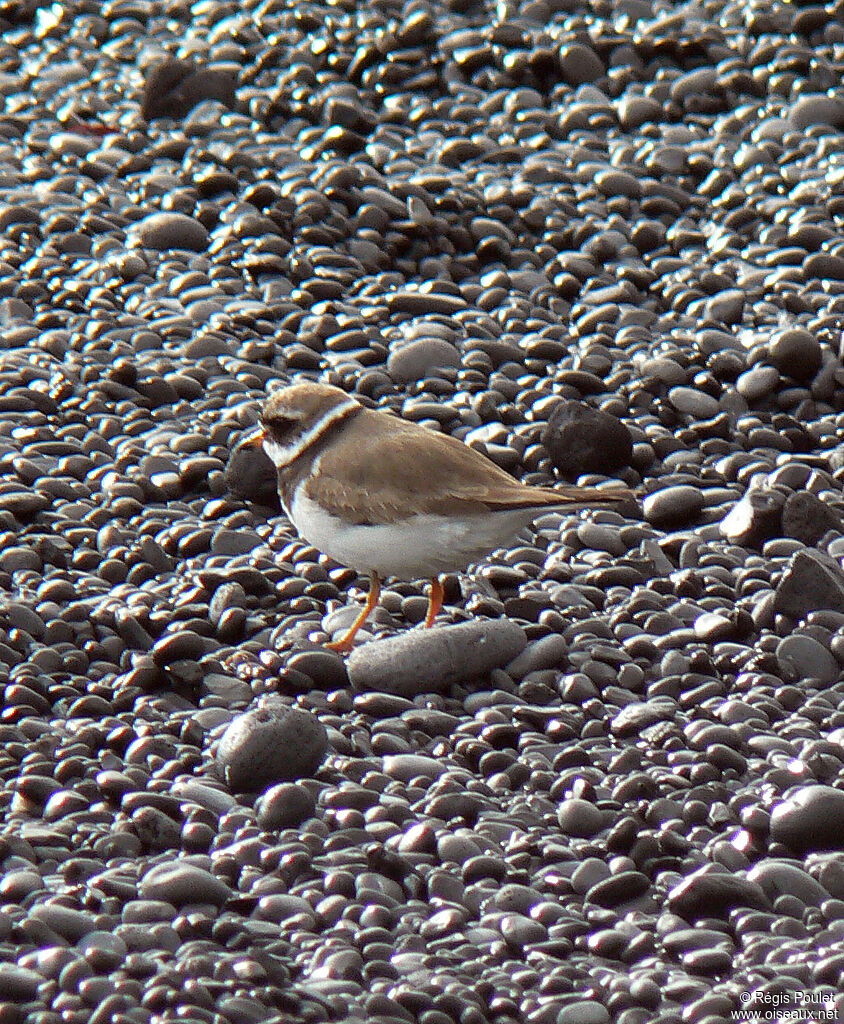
806 518
726 307
810 818
23 504
633 718
175 86
580 64
325 668
618 888
795 352
19 984
271 744
251 474
708 892
810 583
421 303
824 265
431 660
183 645
581 439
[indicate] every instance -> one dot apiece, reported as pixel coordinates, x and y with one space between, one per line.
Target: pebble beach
595 241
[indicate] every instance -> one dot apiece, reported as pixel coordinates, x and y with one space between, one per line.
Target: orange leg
435 601
345 644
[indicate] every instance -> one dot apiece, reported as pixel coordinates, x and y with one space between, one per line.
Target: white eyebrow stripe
283 455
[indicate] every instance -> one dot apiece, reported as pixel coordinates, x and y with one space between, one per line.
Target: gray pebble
811 582
179 883
270 744
415 360
166 231
709 892
693 402
285 806
779 878
430 661
795 352
801 657
18 984
811 818
806 518
580 818
581 439
673 506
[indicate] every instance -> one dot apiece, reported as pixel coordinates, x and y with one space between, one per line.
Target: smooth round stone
14 559
548 652
693 402
178 882
673 506
634 111
579 64
709 892
580 818
285 806
214 799
581 439
816 108
601 537
271 744
432 660
583 1011
19 984
617 889
168 230
800 657
456 849
520 931
824 265
405 767
418 359
700 82
325 668
65 921
174 86
757 382
726 307
812 818
588 874
103 950
779 878
795 352
424 303
615 182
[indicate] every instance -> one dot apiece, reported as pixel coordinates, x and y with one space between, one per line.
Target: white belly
423 546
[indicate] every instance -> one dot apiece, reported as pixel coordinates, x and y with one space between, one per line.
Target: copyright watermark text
779 1007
